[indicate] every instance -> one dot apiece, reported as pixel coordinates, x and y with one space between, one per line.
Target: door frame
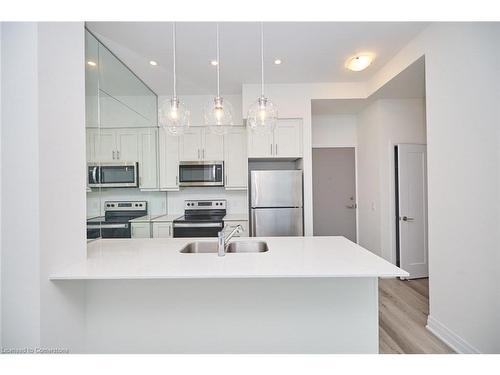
355 147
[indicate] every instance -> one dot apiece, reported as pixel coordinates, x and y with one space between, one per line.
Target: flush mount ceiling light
359 62
214 63
173 114
91 63
262 114
154 63
218 112
277 62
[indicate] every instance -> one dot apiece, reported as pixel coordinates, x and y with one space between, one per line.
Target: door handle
406 218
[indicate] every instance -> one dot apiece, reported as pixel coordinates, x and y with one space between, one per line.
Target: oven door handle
197 225
107 226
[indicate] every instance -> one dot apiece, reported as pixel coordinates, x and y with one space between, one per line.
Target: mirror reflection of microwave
113 174
201 173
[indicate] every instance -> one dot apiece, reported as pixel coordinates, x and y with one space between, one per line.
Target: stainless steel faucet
223 240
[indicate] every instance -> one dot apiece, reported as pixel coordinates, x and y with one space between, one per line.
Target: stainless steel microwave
201 173
113 174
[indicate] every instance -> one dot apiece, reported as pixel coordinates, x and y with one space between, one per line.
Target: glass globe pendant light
173 114
218 112
262 114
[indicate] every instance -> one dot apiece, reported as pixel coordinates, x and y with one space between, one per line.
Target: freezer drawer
276 188
269 222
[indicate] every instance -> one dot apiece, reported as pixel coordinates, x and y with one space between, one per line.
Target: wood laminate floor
403 310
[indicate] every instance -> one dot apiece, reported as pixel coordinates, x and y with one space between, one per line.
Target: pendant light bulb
218 112
262 114
172 113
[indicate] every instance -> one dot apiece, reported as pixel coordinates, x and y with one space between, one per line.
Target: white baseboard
454 341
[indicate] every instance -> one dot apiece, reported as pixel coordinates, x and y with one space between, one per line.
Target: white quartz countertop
159 258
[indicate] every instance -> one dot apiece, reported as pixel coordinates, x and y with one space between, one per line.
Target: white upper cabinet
288 138
284 142
168 160
147 140
213 146
198 144
260 145
127 145
235 159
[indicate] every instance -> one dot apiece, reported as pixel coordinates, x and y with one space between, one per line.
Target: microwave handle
94 175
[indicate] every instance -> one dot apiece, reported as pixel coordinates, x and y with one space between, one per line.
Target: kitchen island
304 295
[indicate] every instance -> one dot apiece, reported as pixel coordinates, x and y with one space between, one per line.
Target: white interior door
412 209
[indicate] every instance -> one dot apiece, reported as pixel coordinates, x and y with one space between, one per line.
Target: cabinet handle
118 155
198 154
203 153
276 149
113 155
176 180
271 148
170 231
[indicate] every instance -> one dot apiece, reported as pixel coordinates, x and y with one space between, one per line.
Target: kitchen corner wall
43 183
382 125
463 158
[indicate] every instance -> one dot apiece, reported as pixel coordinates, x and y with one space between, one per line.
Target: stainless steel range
202 218
115 223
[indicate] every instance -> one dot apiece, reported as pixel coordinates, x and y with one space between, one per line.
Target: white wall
42 127
20 186
382 125
462 89
334 130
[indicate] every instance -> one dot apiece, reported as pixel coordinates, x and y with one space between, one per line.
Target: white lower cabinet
231 224
141 230
162 230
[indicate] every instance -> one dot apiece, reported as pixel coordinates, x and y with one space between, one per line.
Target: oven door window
117 174
198 173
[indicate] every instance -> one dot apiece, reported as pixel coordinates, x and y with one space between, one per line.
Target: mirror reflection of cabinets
115 96
121 114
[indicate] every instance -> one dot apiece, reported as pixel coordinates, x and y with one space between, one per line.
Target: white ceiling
409 83
311 51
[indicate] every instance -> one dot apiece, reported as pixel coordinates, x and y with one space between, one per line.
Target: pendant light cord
262 58
175 71
218 61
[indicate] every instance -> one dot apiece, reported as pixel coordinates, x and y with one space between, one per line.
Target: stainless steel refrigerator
276 203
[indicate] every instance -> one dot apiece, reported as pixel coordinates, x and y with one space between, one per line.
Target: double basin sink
233 247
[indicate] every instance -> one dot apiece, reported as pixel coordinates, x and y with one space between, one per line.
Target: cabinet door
127 145
169 160
260 145
148 166
213 146
162 230
232 224
103 142
191 145
141 230
235 159
288 138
